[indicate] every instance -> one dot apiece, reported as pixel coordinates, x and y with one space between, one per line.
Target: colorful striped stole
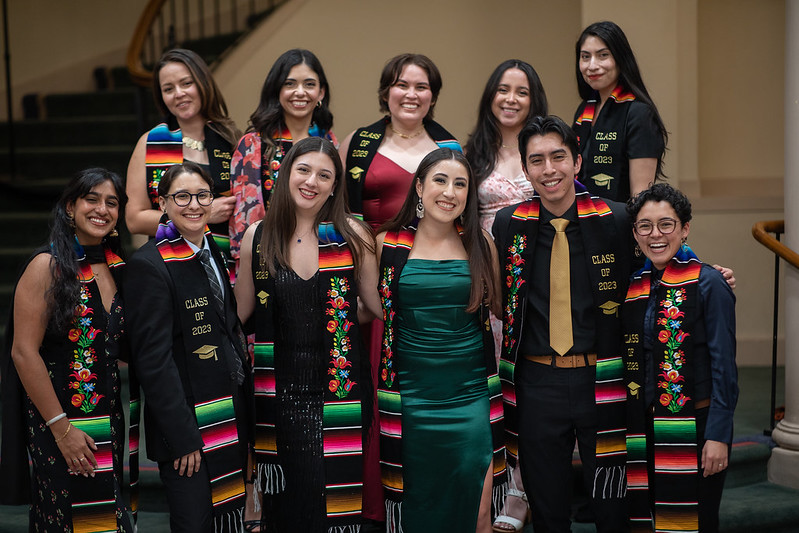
674 444
396 248
342 436
165 148
213 408
600 238
93 499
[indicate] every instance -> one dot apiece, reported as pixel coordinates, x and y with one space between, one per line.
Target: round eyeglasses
664 225
182 199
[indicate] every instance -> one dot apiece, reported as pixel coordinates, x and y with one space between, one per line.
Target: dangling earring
420 209
637 251
71 217
318 103
683 245
114 232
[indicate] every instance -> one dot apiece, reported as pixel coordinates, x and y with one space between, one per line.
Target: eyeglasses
664 225
182 199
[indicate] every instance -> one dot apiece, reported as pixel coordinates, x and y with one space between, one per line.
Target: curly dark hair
661 192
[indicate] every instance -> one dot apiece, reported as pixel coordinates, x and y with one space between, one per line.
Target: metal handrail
761 231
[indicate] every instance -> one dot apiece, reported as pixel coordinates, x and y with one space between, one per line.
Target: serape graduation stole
363 148
607 275
396 248
342 436
675 459
165 148
93 499
207 363
619 95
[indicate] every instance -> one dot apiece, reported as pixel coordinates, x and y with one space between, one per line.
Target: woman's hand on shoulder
729 275
222 209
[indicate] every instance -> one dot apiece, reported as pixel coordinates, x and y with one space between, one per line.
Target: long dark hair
213 106
629 73
64 293
486 139
280 221
485 287
267 119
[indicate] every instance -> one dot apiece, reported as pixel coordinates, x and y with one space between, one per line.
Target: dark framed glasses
664 225
182 199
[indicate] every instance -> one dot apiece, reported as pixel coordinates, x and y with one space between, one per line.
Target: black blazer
159 355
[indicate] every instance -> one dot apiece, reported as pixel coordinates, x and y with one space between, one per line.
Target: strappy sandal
514 523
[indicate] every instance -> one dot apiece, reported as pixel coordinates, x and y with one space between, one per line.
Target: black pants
189 499
557 406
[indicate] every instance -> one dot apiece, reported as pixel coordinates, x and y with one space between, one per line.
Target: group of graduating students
379 358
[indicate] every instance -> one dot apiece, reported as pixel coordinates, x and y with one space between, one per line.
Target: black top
535 336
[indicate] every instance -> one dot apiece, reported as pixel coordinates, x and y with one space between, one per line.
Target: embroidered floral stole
396 248
342 437
165 148
675 446
363 148
93 499
608 272
207 361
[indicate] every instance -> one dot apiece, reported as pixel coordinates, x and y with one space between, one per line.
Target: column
783 466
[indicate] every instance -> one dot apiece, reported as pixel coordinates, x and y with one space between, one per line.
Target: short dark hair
661 192
543 126
393 70
187 167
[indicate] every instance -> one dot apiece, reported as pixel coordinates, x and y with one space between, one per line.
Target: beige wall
56 44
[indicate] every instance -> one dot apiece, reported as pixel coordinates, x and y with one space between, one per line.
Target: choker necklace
95 253
405 136
194 144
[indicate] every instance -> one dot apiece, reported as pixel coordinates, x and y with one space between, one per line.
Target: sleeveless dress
384 190
498 191
299 405
446 434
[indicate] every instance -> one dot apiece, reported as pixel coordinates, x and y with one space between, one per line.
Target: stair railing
761 232
165 24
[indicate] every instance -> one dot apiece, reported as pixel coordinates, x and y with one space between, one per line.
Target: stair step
73 131
24 228
100 103
760 507
748 461
209 48
62 162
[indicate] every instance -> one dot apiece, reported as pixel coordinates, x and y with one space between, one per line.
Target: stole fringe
270 478
355 528
230 522
393 517
498 494
610 482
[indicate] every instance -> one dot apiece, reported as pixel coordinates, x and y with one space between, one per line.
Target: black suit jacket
159 356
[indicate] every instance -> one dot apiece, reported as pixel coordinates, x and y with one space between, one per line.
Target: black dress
299 368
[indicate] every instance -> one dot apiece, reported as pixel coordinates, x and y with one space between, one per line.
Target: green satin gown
446 434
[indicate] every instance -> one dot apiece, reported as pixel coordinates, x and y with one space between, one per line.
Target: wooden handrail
761 231
139 74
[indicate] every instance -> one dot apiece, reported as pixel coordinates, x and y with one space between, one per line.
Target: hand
714 457
188 464
222 209
729 275
77 448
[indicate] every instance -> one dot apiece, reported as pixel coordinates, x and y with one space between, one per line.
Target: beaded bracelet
59 439
55 419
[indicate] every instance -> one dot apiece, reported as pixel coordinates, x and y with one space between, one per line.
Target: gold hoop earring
114 232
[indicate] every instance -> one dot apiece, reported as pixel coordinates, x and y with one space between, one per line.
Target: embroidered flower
674 358
513 282
84 357
340 385
386 361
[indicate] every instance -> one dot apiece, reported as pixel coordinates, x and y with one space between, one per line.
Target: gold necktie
560 304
